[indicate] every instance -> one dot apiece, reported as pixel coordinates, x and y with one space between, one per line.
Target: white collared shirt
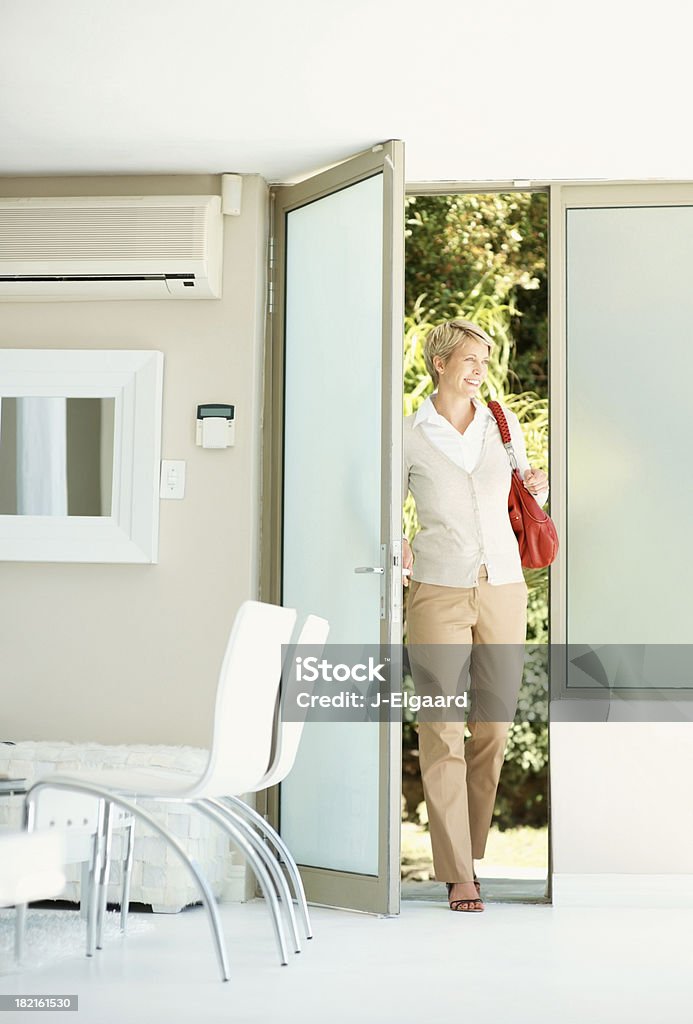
463 518
465 449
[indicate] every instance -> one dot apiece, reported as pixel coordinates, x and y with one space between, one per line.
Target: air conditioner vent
105 242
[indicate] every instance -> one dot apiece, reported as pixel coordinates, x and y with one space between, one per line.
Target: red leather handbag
535 530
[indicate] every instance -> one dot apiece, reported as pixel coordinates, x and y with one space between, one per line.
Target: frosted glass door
340 402
629 366
332 496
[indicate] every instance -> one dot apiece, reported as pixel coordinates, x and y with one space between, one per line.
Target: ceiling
497 92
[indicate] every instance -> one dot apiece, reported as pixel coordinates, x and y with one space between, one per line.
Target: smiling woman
464 366
467 587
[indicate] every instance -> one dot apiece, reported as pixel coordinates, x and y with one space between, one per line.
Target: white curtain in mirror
42 456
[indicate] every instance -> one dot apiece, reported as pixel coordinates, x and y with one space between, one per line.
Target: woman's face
466 367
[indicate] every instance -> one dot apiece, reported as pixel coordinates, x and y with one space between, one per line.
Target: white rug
53 935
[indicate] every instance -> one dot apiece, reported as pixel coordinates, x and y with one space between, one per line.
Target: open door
332 501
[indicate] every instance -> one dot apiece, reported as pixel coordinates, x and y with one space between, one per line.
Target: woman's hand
536 481
407 560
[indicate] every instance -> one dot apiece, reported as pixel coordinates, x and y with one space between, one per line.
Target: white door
333 501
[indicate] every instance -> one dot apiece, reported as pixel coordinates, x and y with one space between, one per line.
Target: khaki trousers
460 779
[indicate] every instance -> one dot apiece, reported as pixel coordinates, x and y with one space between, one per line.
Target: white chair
314 636
241 750
31 868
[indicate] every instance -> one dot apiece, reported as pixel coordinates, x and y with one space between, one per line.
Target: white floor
534 964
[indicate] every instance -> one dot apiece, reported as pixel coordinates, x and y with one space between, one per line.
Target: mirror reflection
56 456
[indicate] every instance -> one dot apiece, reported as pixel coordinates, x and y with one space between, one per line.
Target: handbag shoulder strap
499 416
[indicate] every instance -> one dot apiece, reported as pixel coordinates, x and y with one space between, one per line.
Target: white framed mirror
80 449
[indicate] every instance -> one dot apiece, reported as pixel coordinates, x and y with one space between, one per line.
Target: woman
467 588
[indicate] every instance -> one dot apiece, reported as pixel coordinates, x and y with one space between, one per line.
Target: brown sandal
471 903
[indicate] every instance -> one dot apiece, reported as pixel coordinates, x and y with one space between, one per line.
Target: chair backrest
31 866
246 697
314 635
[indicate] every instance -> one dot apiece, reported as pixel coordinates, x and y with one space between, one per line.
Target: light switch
172 479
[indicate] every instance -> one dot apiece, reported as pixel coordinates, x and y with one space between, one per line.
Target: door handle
378 570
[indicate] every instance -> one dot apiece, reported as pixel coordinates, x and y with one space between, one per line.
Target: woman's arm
520 448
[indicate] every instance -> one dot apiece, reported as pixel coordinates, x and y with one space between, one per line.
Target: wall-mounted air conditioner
134 247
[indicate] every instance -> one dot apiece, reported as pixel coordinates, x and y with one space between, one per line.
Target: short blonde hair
447 336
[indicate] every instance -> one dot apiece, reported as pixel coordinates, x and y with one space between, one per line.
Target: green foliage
483 257
522 797
493 245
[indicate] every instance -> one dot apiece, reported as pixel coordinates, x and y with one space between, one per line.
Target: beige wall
130 653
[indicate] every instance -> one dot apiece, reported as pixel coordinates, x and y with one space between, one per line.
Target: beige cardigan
463 516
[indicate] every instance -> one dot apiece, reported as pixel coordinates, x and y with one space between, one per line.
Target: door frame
661 190
573 195
555 366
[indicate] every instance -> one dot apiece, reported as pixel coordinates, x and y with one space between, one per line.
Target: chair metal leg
55 782
28 819
271 864
19 931
84 891
127 874
259 868
94 871
236 804
104 872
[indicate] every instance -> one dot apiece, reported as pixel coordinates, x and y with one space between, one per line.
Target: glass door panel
335 406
